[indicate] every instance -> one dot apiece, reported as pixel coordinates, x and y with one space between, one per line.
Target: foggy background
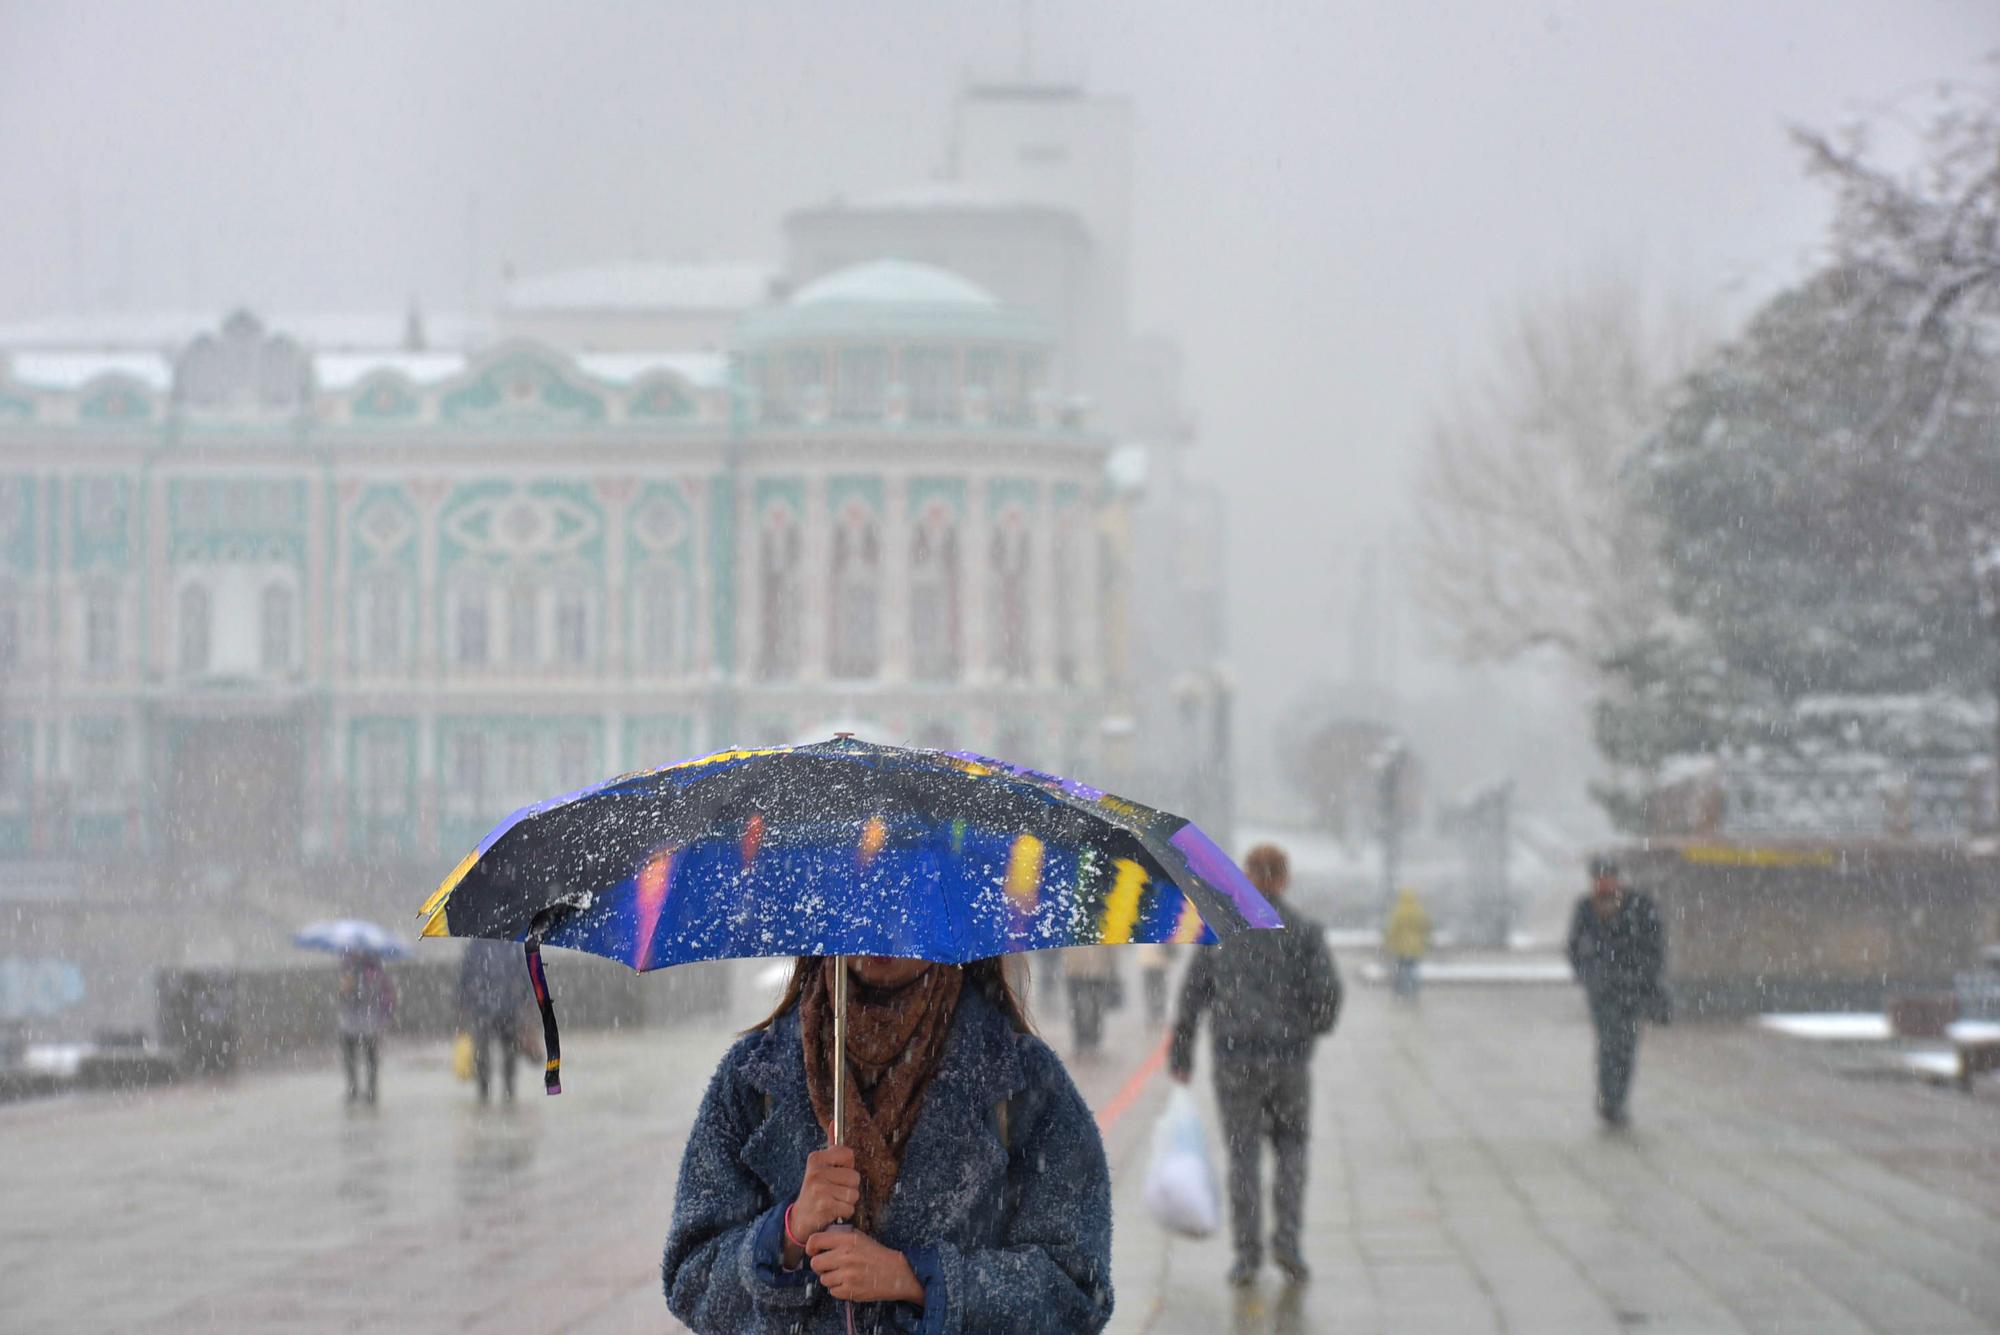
1332 203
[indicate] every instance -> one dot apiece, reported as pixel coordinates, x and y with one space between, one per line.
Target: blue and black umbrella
839 848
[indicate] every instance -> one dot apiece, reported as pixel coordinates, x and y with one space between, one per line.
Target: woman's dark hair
988 975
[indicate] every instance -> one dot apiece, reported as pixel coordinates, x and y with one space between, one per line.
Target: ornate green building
268 610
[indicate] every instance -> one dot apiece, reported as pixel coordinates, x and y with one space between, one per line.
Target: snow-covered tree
1529 538
1823 489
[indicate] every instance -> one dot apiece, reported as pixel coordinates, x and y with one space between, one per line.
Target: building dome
893 299
895 283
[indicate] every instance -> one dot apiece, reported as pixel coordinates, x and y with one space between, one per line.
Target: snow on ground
1831 1028
1478 971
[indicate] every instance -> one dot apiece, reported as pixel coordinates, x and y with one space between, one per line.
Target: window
276 623
10 627
523 632
194 629
572 627
468 770
521 783
934 601
469 642
572 761
780 615
16 747
385 771
929 373
1009 582
100 631
863 382
986 382
1063 603
98 750
805 379
101 513
382 624
660 618
854 634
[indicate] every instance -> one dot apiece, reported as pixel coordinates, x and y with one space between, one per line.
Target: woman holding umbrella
892 1149
971 1169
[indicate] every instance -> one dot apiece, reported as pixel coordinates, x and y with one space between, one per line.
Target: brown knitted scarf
894 1041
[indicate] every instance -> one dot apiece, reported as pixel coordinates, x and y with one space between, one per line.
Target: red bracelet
788 1227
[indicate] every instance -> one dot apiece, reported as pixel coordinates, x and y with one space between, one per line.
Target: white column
1041 585
975 575
816 571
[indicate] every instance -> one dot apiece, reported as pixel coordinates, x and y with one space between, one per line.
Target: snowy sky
1333 200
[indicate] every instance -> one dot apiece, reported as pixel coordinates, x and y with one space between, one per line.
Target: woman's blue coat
1005 1215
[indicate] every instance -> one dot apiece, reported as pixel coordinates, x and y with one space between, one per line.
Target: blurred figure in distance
1407 939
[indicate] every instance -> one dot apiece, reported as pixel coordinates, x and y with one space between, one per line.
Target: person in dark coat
1618 950
492 987
973 1174
1271 996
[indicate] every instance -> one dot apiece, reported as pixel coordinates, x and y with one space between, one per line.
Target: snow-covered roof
344 370
74 370
720 286
895 282
943 195
155 331
704 370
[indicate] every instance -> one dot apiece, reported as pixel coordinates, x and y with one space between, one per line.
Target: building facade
265 609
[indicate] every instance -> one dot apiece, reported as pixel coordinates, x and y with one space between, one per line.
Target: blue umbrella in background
839 848
343 936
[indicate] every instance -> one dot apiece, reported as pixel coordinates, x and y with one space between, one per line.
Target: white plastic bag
1180 1180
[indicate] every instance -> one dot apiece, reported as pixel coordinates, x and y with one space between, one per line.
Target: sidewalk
1460 1184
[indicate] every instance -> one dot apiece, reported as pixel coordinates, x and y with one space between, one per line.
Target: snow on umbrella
344 936
839 848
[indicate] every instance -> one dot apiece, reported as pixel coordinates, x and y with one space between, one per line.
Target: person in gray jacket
1271 996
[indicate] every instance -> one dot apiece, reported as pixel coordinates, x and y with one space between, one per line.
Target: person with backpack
971 1193
1271 996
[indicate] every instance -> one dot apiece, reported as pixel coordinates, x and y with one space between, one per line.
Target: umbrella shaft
839 1049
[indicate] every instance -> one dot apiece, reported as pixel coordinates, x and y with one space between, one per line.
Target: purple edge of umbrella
1215 866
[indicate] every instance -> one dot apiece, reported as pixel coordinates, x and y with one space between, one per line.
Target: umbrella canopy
843 848
343 936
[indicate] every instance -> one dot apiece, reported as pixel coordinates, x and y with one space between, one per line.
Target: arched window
660 613
469 645
10 627
1063 600
934 600
779 554
382 635
1009 567
194 629
100 630
854 634
524 632
572 626
275 626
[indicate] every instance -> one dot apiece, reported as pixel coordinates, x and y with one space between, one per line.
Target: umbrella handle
839 1128
551 1043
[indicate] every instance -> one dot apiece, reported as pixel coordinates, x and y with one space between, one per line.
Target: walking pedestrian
1091 974
972 1172
367 1000
1153 961
1618 951
1407 939
1272 995
492 989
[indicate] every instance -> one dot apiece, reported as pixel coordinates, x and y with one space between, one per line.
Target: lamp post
1389 762
1986 580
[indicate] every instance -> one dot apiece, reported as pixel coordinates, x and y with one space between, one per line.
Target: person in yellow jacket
1407 938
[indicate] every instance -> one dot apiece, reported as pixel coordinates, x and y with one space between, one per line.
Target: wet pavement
1459 1184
